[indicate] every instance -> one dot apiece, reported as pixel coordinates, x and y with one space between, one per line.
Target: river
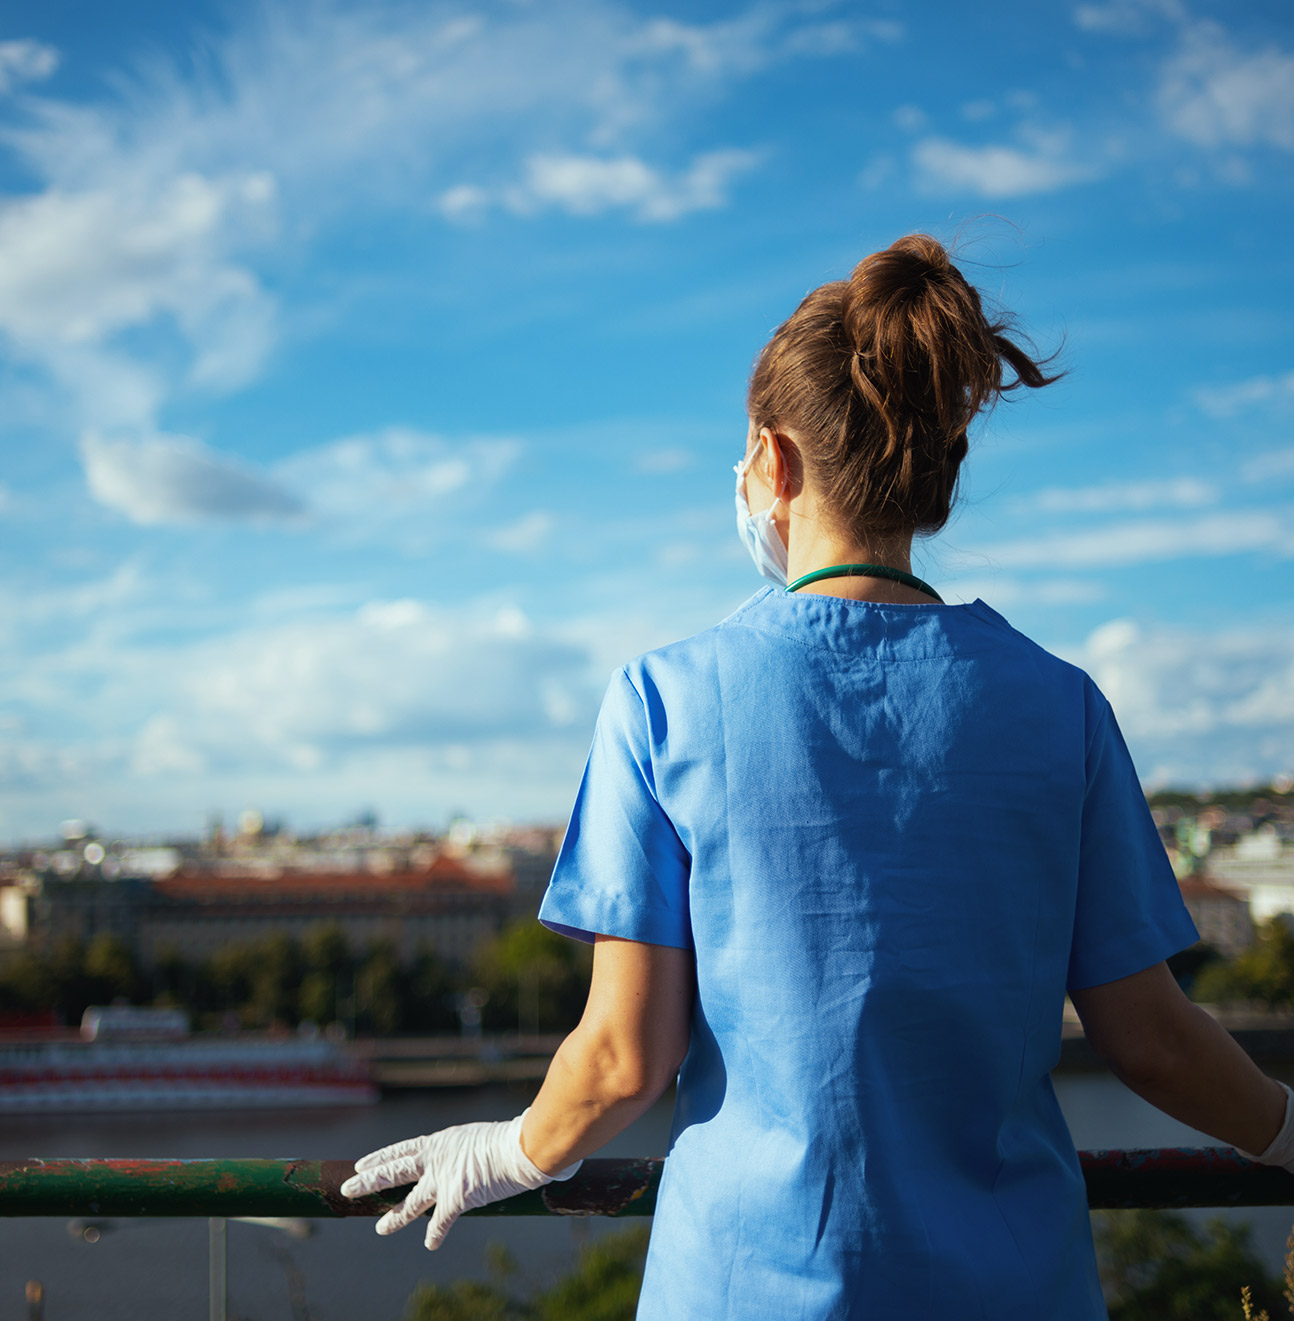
156 1270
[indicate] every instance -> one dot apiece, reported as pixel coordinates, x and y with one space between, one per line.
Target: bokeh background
371 374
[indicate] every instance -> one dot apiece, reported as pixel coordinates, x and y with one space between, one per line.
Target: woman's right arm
1174 1055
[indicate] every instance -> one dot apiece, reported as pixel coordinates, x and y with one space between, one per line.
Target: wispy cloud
393 694
1228 400
1003 591
662 461
1216 94
1125 17
522 535
79 268
1114 497
1202 707
1042 165
393 485
593 186
1149 540
1264 467
25 61
164 479
138 270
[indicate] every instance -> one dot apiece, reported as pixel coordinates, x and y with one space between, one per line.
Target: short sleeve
1129 913
622 869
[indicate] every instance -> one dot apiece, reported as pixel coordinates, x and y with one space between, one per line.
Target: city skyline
371 375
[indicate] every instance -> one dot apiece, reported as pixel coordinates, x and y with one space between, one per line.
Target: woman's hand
455 1170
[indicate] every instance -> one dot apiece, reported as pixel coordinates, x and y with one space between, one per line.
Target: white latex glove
455 1170
1281 1149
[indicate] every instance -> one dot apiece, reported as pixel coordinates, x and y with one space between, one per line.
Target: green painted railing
1171 1177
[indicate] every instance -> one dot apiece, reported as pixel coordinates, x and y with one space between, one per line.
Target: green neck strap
864 571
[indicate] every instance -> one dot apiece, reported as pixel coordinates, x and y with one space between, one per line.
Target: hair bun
894 278
879 376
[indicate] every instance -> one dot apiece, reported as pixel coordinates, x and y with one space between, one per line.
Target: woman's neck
812 546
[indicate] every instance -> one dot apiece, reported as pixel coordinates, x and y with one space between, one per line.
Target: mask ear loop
742 468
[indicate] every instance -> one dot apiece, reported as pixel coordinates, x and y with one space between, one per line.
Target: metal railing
1164 1177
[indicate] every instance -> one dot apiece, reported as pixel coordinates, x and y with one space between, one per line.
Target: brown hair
877 379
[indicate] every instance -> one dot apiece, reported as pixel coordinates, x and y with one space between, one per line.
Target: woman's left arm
627 1048
625 1052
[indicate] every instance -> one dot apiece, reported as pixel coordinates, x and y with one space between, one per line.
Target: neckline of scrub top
842 623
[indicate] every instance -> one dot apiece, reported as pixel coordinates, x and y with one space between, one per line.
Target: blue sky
371 374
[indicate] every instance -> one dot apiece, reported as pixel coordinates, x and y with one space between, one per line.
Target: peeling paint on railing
1171 1177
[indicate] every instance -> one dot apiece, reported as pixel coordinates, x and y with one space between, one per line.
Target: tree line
1155 1266
526 979
1261 975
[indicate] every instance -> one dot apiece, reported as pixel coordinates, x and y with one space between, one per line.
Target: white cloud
1110 497
135 271
764 33
593 185
76 268
977 111
25 61
162 479
662 461
1198 707
1004 592
1125 17
998 170
398 702
524 534
909 118
1228 400
1149 540
399 483
1214 94
310 692
1263 467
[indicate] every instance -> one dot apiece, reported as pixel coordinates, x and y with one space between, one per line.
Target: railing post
216 1235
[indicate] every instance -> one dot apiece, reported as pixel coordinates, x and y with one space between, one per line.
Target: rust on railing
1166 1177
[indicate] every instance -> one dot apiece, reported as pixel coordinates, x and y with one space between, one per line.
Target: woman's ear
780 463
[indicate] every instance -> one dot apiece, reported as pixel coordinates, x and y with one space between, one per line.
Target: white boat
133 1059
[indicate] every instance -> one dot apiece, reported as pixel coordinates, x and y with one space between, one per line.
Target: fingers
384 1154
420 1199
393 1174
442 1221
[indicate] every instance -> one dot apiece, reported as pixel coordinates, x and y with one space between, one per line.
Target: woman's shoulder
836 631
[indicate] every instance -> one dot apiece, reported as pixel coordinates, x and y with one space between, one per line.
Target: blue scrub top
893 835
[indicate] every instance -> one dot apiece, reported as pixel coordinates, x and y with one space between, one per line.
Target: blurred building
411 891
1260 866
446 907
1221 915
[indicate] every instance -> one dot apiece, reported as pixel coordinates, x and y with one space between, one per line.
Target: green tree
379 991
1155 1266
275 976
1264 973
537 980
429 989
226 978
111 971
604 1285
71 990
464 1300
327 962
174 979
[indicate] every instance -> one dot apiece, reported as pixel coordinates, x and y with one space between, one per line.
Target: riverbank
428 1063
1266 1036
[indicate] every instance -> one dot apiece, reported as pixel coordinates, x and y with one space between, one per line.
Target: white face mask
758 532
